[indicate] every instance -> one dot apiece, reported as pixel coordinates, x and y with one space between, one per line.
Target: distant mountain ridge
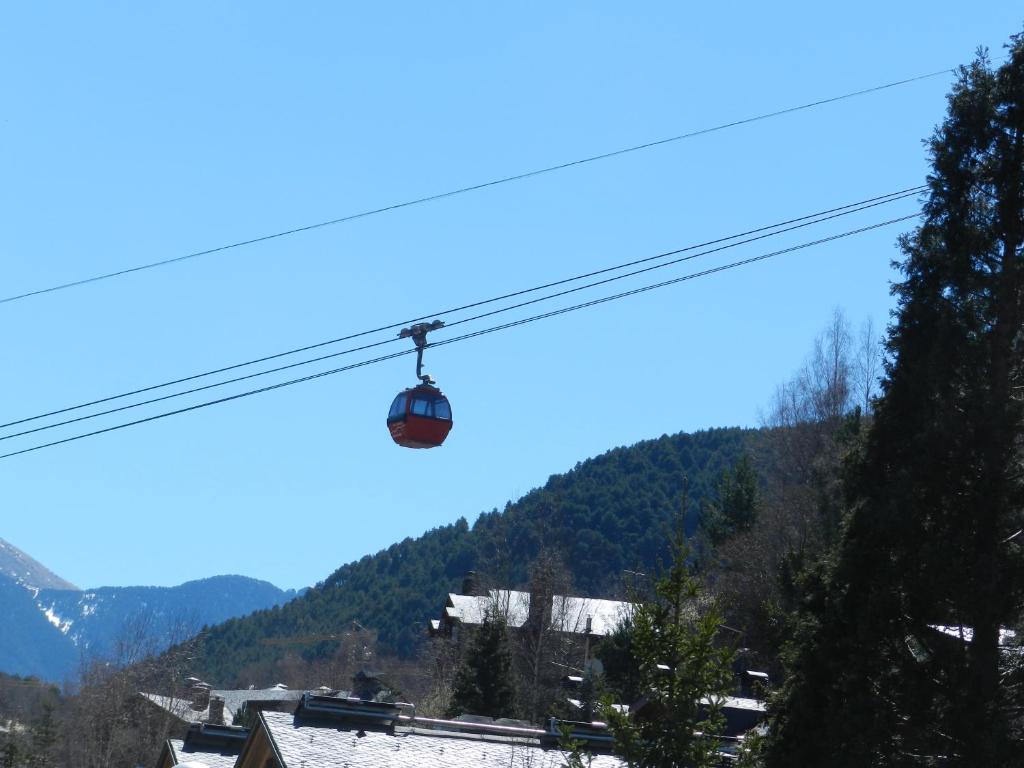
48 627
23 570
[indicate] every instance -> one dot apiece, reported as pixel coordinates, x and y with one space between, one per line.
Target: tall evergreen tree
44 733
736 504
483 684
937 494
684 673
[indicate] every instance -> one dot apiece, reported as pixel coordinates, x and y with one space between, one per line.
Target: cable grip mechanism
418 334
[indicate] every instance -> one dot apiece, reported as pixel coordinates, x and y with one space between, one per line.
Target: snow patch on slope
51 616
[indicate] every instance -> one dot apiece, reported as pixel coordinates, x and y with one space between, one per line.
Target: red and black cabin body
420 417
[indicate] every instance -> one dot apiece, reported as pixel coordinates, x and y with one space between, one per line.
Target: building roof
1006 636
737 702
302 743
568 614
234 700
182 708
179 754
215 746
330 731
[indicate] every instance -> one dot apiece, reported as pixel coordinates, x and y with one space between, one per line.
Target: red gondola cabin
420 417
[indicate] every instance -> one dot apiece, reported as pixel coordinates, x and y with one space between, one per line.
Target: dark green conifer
736 504
621 670
44 736
937 495
684 674
483 684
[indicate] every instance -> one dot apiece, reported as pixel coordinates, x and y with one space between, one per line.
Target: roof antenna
418 334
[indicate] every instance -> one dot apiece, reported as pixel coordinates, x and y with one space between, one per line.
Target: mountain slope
49 627
29 644
605 515
95 619
23 570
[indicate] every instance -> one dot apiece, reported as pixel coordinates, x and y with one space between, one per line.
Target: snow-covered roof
209 746
1006 636
568 614
234 700
737 702
212 757
319 744
622 709
182 708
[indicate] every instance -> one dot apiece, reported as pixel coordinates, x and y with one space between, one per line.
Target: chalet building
583 616
326 731
331 731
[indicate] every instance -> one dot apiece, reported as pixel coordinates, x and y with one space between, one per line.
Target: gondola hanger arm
418 334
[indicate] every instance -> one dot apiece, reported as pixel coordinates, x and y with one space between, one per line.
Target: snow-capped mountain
23 570
49 627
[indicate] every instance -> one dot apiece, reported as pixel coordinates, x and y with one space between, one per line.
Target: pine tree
684 673
938 492
483 684
621 672
44 736
735 508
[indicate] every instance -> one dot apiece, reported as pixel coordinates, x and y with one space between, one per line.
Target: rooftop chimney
471 583
366 684
216 710
200 696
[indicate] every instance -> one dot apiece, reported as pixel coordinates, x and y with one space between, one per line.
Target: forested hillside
605 515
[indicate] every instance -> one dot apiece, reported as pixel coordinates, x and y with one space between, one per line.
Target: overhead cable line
474 187
780 227
821 218
463 337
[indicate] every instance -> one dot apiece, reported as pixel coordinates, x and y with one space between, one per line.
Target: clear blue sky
133 132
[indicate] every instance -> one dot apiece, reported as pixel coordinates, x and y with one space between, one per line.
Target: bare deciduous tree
867 365
801 502
106 721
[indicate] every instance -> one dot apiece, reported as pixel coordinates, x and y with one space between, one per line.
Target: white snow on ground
53 618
